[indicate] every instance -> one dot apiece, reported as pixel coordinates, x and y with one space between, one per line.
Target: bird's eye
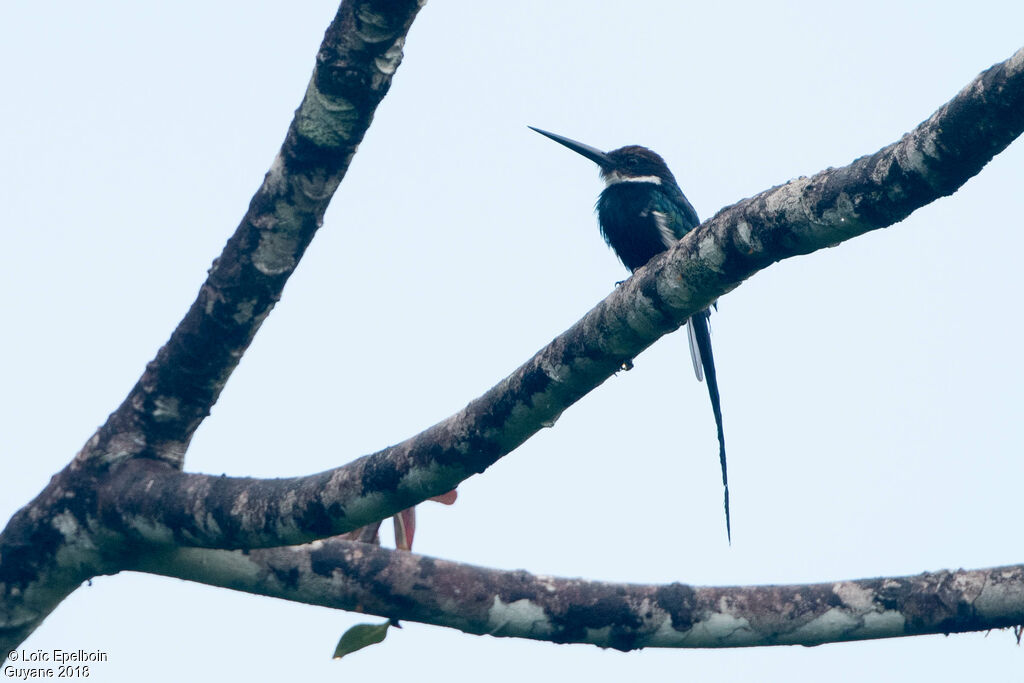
632 162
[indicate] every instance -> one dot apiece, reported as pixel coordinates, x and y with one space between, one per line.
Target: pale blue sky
872 393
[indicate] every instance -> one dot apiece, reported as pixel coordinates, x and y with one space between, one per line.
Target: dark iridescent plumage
642 212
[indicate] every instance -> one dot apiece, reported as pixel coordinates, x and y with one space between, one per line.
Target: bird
642 212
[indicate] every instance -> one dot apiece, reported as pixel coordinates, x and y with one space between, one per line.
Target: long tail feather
691 334
698 325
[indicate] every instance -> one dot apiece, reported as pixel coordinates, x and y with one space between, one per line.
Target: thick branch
364 578
934 160
797 218
59 538
54 543
359 55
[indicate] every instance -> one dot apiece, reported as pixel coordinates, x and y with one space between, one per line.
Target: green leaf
360 636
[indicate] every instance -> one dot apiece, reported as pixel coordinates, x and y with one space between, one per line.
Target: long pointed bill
592 153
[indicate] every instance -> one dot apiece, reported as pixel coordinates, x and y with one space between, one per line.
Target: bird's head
635 164
623 165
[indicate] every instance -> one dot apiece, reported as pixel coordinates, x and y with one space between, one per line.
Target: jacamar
642 212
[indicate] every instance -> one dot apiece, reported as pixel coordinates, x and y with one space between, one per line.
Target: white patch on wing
615 177
668 238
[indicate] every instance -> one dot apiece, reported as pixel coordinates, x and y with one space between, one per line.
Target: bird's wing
686 218
673 215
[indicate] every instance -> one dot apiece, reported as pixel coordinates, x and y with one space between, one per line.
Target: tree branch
57 541
477 600
802 216
72 530
359 55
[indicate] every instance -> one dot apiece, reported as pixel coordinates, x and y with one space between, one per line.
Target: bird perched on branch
642 212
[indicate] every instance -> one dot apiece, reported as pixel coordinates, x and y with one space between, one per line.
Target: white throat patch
615 178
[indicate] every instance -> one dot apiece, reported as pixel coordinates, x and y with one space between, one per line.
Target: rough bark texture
59 540
124 503
364 578
355 64
806 214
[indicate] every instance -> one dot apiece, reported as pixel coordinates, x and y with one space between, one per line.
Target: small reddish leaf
446 498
